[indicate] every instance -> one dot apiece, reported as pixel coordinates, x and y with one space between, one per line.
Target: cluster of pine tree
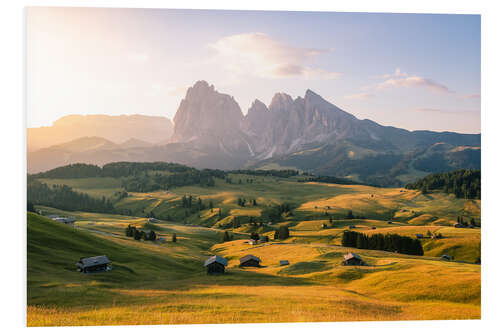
63 197
227 237
387 242
274 213
463 183
243 202
137 176
254 236
329 180
132 231
146 182
462 221
192 204
282 233
77 170
351 216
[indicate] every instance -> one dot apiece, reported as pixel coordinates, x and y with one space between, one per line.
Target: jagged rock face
291 125
207 118
256 122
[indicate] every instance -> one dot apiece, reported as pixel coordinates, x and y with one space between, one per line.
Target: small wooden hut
94 264
215 265
446 257
250 261
352 259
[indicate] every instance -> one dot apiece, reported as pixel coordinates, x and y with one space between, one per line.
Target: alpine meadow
153 199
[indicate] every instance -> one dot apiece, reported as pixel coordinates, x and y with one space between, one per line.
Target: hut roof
93 261
249 257
351 255
218 259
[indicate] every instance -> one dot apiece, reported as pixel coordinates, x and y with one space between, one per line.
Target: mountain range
114 128
306 133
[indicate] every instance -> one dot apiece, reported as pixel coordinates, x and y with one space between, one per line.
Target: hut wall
215 268
250 263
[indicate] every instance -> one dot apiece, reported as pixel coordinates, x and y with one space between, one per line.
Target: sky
413 71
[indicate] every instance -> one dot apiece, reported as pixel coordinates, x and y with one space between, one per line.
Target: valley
156 282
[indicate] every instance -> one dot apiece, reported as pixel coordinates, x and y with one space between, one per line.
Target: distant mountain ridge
307 133
117 129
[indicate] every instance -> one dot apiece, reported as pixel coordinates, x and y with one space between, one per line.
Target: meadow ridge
166 283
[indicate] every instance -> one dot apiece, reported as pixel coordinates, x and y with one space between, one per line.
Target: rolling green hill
165 283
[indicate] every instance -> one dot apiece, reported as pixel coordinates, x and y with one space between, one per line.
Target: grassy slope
160 284
311 198
408 208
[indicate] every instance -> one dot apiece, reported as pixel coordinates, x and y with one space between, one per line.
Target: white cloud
258 54
400 79
360 96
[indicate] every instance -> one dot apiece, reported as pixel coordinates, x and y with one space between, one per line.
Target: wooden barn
215 265
94 264
250 261
352 259
446 257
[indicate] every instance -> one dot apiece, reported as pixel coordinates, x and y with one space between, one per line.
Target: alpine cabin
215 265
250 261
94 264
352 259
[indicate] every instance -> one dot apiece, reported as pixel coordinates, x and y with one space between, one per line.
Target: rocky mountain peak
281 102
257 108
208 118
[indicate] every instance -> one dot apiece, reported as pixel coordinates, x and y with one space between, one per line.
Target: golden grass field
155 283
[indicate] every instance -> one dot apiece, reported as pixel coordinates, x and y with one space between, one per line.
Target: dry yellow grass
393 287
314 287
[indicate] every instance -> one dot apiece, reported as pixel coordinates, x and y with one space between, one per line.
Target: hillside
268 196
462 183
165 283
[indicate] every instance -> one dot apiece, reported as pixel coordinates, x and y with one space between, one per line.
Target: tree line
147 182
463 183
275 173
330 180
115 169
63 197
387 242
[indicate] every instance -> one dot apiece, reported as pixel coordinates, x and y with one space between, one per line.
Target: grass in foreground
166 284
